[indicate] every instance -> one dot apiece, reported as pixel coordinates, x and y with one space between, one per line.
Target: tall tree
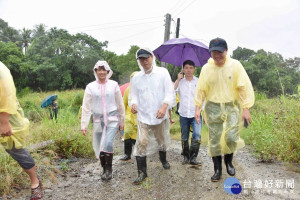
26 38
67 59
13 58
39 30
269 72
10 34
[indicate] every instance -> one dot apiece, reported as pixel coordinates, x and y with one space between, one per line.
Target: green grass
275 130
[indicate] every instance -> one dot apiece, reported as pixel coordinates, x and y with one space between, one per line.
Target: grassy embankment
274 134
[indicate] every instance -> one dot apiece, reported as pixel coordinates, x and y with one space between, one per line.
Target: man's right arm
179 77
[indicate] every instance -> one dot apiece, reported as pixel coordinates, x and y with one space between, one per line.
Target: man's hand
5 128
162 111
134 109
180 76
84 132
246 116
197 114
121 127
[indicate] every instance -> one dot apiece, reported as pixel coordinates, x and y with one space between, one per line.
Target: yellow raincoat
9 104
130 128
227 91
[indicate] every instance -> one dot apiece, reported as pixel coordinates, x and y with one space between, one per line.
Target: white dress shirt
149 92
186 90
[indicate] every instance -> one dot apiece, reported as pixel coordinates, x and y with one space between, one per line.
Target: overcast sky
272 25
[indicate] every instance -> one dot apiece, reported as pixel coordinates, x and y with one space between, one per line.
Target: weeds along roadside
275 129
64 134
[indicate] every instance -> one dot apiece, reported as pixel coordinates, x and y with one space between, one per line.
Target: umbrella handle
182 72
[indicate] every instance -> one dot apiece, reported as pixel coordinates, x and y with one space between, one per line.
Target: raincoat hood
138 61
106 66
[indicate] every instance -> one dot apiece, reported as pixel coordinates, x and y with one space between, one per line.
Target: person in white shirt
185 86
151 96
103 99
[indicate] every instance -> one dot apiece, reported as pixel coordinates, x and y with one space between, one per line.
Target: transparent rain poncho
9 104
104 101
149 92
227 91
130 128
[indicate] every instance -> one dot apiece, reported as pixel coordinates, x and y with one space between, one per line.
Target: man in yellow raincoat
14 128
229 94
130 128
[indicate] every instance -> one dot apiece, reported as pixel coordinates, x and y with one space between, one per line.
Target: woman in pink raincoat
103 99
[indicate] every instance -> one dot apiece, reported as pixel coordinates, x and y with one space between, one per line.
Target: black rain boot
228 163
218 168
108 162
185 151
102 161
127 150
142 169
194 150
163 159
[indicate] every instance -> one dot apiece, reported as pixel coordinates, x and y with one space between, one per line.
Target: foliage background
52 59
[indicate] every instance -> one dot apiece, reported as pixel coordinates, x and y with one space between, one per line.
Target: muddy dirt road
258 180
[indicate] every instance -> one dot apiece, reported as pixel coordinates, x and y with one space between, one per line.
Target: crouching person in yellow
130 128
229 94
14 128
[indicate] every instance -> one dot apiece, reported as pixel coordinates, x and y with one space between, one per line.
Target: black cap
217 44
142 53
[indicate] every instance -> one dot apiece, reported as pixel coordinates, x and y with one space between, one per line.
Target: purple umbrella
178 50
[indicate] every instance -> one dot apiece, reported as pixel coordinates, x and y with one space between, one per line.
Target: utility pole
167 27
177 36
167 33
177 27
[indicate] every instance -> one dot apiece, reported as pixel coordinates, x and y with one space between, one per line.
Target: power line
113 22
118 26
185 7
175 7
179 6
135 34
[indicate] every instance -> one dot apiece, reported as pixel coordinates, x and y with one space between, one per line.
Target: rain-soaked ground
258 180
